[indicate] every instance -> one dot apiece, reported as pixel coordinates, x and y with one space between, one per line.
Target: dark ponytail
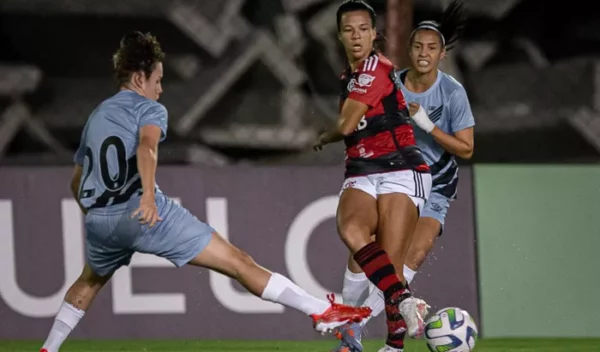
453 23
451 26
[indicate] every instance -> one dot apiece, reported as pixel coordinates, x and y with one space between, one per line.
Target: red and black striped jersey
384 140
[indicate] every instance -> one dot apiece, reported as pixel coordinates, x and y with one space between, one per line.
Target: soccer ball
450 330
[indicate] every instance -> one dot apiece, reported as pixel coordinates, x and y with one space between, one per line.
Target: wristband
422 120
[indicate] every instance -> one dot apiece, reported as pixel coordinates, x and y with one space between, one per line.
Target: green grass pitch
508 345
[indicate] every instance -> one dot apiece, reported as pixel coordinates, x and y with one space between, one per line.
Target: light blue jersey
447 105
111 190
108 148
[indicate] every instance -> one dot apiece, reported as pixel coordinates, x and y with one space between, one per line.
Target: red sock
378 267
396 333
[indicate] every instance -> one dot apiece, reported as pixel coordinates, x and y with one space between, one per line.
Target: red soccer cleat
43 350
338 315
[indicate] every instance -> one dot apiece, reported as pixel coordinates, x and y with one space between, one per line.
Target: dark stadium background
528 68
247 85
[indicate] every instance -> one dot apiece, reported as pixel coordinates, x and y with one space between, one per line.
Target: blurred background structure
250 81
247 85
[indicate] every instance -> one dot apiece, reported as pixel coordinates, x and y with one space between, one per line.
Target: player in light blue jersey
439 106
125 211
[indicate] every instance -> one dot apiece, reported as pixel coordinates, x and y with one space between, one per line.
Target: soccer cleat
43 350
422 308
349 336
411 309
338 315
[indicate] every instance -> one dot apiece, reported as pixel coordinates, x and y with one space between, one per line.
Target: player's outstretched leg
78 299
222 256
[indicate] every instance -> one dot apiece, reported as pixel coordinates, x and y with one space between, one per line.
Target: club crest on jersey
359 85
352 87
365 80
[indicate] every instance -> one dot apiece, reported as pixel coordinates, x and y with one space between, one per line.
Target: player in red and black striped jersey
384 139
440 108
387 180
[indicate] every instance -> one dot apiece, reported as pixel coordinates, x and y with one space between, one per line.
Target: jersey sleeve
371 83
461 114
79 154
79 157
156 115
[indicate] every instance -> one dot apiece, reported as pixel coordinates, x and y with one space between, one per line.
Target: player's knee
242 261
92 280
354 235
246 259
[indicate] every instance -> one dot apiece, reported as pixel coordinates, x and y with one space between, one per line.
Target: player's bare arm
461 143
75 184
352 112
147 160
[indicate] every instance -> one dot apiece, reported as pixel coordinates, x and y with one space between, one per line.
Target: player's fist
413 108
420 117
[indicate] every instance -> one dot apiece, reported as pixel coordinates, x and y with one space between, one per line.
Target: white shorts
414 184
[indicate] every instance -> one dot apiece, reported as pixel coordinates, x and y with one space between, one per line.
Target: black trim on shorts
419 189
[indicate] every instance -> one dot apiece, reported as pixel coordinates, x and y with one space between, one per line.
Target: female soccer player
114 183
387 180
440 108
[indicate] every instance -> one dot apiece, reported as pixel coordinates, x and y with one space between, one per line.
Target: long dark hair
450 27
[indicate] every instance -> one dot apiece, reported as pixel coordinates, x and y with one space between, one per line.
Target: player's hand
147 213
317 146
420 117
413 108
320 142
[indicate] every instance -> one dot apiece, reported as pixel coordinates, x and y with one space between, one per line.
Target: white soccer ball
450 330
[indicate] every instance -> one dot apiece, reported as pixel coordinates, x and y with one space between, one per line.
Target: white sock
66 319
409 274
356 288
283 291
376 301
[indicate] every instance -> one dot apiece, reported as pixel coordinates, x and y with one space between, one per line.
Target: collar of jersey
349 70
428 91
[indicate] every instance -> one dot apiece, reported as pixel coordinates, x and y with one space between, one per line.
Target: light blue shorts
436 207
113 237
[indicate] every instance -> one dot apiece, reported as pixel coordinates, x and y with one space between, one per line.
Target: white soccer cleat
411 309
422 308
